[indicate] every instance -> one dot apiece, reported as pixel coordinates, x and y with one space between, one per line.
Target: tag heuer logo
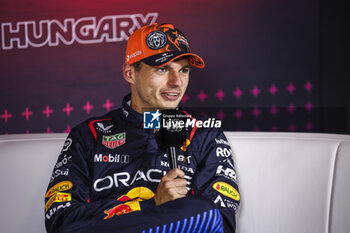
114 141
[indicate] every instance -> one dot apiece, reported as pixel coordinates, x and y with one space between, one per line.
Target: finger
179 173
170 184
173 174
182 191
180 182
177 192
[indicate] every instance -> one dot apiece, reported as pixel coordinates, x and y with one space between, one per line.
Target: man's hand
171 187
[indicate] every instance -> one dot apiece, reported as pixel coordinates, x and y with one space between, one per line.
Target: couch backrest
26 165
289 182
292 182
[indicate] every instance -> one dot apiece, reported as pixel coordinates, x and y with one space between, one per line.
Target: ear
128 73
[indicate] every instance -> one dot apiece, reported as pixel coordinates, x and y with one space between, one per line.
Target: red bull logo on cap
133 199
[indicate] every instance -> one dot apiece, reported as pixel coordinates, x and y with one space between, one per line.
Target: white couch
289 182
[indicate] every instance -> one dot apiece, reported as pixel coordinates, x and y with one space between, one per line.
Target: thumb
176 173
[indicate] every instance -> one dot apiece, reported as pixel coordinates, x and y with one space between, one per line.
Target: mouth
170 96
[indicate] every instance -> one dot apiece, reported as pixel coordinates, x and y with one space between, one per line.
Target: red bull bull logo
133 199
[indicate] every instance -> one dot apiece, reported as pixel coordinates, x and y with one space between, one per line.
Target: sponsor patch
222 141
113 141
64 161
104 129
226 190
58 197
62 186
117 158
55 209
225 203
58 173
187 142
126 113
133 199
165 57
67 144
124 179
182 167
220 201
140 193
135 54
232 205
182 40
223 152
156 40
228 173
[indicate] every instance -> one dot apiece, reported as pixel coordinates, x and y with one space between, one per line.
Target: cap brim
162 59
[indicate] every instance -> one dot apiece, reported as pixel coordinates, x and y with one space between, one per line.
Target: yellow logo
226 190
133 199
187 142
62 186
58 197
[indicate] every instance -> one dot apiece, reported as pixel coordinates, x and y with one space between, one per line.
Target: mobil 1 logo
117 158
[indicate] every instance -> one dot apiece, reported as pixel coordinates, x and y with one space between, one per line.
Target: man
111 176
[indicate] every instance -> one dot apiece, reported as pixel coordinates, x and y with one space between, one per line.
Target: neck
134 105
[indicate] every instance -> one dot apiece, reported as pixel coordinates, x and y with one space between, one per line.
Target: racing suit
110 167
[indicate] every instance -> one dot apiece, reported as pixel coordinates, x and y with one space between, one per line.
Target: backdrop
60 61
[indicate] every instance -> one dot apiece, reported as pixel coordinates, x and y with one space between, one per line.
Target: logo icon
117 158
62 186
58 197
99 124
132 202
114 141
228 172
151 120
67 144
156 40
219 199
227 190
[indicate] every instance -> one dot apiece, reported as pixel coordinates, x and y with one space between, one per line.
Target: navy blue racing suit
109 168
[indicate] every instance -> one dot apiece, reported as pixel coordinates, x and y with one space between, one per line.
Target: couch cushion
286 181
289 182
27 162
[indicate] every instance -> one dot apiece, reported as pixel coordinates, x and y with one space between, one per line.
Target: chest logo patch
113 141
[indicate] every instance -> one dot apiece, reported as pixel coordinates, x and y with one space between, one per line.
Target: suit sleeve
68 194
216 176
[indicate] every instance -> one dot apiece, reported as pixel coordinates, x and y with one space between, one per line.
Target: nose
174 79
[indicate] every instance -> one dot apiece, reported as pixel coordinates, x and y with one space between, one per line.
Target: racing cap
158 44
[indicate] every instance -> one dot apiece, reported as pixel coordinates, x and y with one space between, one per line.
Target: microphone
172 134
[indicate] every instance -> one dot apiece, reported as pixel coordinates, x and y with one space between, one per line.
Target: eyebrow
167 66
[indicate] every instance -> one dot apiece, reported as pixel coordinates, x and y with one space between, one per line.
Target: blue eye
161 69
185 70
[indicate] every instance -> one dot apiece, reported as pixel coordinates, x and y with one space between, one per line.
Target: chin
169 105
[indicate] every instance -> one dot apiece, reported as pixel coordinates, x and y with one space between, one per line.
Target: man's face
161 87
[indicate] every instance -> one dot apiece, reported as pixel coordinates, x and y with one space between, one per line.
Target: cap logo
156 40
